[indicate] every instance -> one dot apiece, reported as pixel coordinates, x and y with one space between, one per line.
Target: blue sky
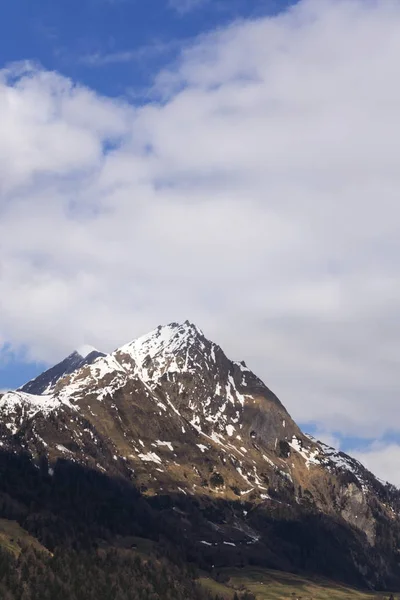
115 47
232 162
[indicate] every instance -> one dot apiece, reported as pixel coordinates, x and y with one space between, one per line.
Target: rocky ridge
45 382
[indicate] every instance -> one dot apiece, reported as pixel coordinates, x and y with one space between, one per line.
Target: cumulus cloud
258 196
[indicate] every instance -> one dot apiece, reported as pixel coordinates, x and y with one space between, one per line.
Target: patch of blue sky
15 370
114 46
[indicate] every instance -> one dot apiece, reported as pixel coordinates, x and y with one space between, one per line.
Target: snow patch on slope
16 407
310 456
330 457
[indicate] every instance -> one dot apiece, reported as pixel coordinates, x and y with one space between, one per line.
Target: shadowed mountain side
81 508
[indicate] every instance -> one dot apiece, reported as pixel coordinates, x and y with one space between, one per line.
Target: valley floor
265 584
247 583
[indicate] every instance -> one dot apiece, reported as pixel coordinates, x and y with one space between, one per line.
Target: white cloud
259 198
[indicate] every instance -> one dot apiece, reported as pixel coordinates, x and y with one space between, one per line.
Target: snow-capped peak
85 350
167 339
45 382
166 348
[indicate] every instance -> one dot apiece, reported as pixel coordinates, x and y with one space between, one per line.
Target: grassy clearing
267 584
220 589
13 538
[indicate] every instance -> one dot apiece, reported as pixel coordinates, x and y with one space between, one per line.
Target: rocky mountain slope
202 437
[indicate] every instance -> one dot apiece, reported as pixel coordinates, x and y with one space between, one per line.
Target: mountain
45 382
225 473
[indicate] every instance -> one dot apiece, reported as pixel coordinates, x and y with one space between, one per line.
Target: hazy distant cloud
98 59
143 53
259 198
184 6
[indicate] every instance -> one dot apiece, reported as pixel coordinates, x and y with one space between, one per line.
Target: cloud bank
258 196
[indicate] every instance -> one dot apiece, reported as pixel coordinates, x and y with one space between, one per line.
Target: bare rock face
356 511
172 414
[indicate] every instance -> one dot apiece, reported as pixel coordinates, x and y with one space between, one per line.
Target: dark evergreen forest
76 515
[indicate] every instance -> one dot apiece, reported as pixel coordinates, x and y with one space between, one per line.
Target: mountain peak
182 329
166 348
164 339
45 382
85 350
